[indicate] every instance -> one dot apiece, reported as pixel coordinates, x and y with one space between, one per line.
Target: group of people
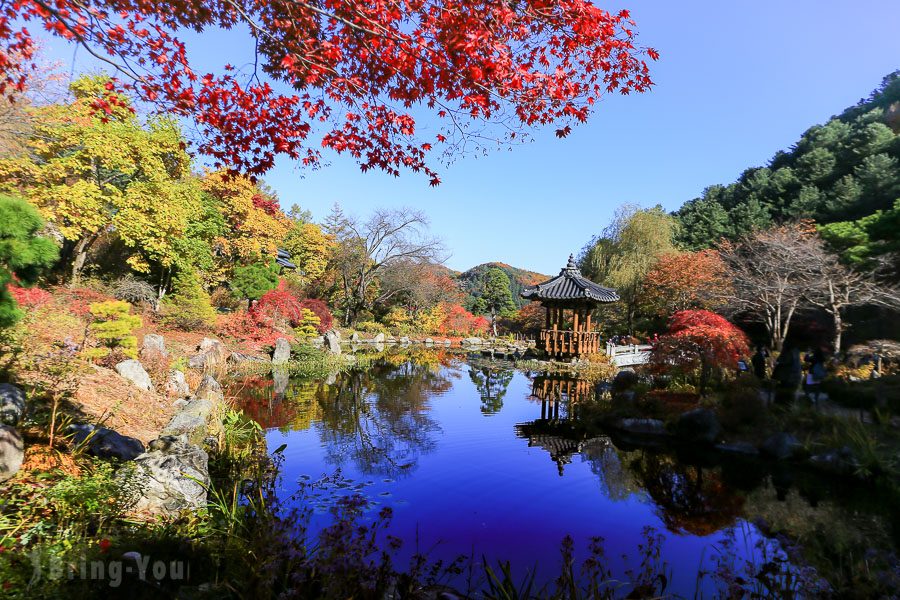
791 371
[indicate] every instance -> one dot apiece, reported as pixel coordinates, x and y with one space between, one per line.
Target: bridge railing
629 354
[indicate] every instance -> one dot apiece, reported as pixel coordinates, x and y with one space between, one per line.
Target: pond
472 461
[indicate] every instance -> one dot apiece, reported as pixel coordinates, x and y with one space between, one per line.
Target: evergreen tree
253 280
496 296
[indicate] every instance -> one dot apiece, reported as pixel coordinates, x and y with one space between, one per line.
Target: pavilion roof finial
572 266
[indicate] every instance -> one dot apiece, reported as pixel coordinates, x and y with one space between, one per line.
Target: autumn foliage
701 343
354 71
685 280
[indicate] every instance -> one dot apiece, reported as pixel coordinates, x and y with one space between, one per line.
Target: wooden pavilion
569 299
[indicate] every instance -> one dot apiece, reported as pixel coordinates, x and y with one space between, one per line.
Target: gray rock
180 403
429 342
317 342
405 341
177 385
780 446
378 346
699 426
447 343
624 380
12 404
237 358
333 342
154 346
738 448
213 354
837 462
472 341
133 371
172 476
106 443
354 338
391 340
12 452
378 339
282 352
280 380
642 426
209 389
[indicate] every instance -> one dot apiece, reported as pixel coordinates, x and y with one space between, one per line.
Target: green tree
704 221
113 327
188 306
253 280
23 253
496 296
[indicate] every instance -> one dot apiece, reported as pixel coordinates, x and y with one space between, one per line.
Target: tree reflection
378 418
689 498
492 384
609 465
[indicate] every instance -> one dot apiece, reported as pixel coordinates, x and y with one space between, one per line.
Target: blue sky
737 80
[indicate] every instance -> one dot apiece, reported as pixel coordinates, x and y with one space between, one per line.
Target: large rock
837 462
212 355
781 446
624 379
170 477
154 346
12 452
282 352
642 426
699 426
133 371
12 404
176 385
106 443
209 389
405 341
354 338
333 342
472 341
429 342
199 418
378 339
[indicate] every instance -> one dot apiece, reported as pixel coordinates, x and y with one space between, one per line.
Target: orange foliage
685 280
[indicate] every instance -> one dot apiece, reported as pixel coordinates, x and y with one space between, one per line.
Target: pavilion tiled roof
570 284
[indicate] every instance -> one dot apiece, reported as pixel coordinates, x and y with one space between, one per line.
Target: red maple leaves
351 72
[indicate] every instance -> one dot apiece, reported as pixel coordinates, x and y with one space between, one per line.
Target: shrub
189 306
309 324
371 327
134 290
30 297
113 328
254 280
321 310
224 300
278 308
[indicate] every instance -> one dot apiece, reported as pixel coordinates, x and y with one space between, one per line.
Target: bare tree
835 286
364 251
771 276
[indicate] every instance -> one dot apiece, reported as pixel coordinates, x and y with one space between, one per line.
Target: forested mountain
472 280
844 173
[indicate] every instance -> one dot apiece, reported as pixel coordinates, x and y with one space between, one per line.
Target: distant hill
518 279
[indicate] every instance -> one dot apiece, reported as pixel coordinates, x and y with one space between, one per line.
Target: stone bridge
630 355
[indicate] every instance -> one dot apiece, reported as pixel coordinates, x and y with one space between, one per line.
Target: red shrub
321 310
243 326
277 308
29 297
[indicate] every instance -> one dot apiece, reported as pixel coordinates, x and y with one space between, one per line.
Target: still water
473 462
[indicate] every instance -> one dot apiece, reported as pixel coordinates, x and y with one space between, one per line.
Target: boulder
699 426
177 385
209 389
133 371
378 339
837 462
12 404
471 341
738 449
153 346
405 341
624 380
236 358
170 477
199 418
642 426
212 354
333 342
106 443
429 342
447 343
12 452
780 446
282 352
390 340
354 338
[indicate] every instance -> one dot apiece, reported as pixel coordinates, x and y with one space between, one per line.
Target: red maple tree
700 342
685 280
347 75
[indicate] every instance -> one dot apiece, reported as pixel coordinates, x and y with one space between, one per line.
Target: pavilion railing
559 342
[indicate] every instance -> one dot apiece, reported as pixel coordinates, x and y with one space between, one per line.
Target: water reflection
492 384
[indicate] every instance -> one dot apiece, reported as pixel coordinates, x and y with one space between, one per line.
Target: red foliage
700 338
81 300
243 326
29 297
685 280
277 308
360 70
321 310
267 205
